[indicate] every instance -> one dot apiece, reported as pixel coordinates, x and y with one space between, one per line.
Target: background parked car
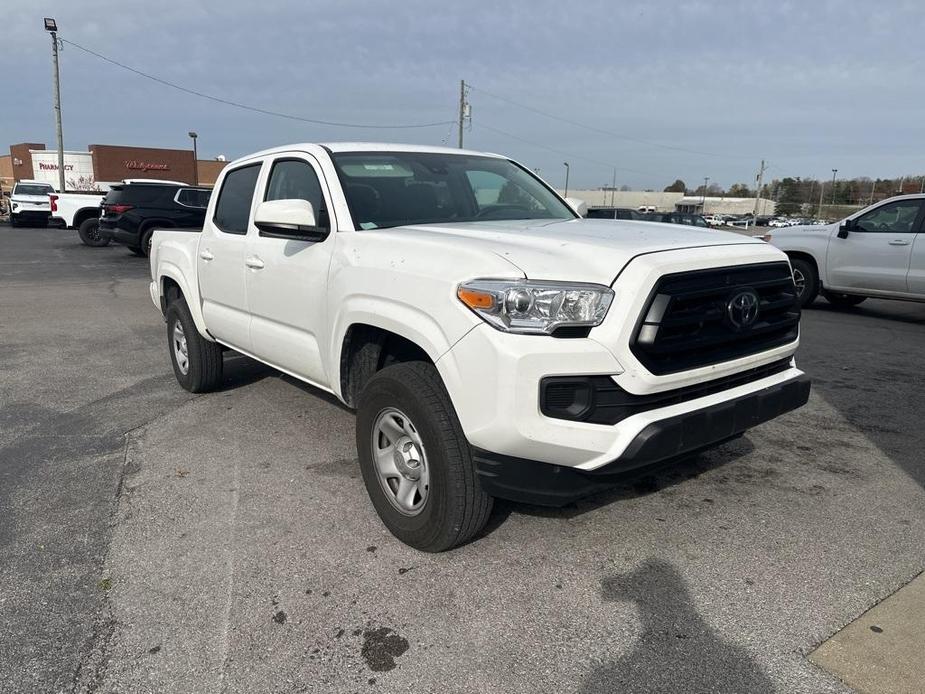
131 212
29 203
613 213
694 220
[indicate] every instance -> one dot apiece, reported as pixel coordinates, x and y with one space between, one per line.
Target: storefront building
102 165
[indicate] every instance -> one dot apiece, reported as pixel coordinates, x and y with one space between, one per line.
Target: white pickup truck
29 203
877 252
80 211
493 342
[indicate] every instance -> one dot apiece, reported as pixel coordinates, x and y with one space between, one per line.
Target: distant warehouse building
102 165
671 202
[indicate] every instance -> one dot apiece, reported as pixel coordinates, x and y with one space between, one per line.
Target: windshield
390 189
32 189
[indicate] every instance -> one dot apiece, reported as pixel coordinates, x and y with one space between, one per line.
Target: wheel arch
83 214
809 258
171 285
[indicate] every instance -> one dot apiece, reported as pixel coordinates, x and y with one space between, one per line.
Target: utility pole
758 188
463 110
703 195
821 190
873 187
52 27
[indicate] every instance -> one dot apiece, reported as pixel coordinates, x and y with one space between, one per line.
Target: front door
875 255
221 259
287 279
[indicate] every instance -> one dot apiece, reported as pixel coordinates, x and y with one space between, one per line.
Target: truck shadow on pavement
677 651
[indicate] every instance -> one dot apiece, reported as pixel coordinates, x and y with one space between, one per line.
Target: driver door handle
206 255
899 242
254 263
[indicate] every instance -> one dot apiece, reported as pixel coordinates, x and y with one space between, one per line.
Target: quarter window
895 217
295 179
232 212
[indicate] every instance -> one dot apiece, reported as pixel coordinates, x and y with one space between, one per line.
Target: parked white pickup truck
877 252
80 211
493 342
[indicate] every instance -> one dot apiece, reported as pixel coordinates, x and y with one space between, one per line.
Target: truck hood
580 250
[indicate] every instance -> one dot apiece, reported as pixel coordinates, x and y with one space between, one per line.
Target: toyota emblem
742 309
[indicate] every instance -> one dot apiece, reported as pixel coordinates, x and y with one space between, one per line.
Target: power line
572 155
601 130
254 109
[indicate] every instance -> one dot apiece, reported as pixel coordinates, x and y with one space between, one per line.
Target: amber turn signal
475 299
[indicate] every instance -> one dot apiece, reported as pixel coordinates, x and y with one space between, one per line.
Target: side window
233 209
191 197
895 217
295 179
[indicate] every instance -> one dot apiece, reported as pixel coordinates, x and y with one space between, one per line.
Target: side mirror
580 207
289 219
848 225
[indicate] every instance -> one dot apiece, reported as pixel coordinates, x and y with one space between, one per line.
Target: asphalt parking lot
155 541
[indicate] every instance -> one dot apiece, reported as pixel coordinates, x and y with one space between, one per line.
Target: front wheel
89 232
415 460
14 220
843 300
806 281
197 362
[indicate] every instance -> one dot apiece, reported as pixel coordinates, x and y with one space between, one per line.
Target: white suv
29 203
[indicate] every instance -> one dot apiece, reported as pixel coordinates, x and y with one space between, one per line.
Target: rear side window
193 197
232 211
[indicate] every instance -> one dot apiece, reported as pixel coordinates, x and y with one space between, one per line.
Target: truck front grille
704 317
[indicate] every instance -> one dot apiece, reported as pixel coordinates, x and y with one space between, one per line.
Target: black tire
145 250
806 280
14 220
89 232
843 300
204 358
456 508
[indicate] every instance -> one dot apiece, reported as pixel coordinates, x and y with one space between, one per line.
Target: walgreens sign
135 165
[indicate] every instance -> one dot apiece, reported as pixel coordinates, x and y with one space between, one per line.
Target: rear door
221 258
876 254
287 279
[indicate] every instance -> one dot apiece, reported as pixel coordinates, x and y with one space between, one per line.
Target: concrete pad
881 651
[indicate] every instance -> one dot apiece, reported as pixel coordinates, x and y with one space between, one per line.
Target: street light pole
834 171
193 136
703 195
51 26
567 167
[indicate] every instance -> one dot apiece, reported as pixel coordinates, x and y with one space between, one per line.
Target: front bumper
666 439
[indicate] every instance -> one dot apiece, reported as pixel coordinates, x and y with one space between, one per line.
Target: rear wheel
843 300
89 232
806 280
415 460
197 362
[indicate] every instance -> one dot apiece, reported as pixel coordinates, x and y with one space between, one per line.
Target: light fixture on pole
193 136
51 26
567 167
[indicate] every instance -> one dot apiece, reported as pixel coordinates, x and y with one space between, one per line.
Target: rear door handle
254 263
899 242
206 255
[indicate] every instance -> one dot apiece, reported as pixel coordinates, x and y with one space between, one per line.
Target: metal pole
821 191
834 171
613 186
462 109
758 191
703 196
567 167
194 137
873 187
54 53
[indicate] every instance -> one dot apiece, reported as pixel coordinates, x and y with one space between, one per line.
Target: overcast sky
697 88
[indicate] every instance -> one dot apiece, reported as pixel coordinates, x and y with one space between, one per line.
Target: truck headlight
525 306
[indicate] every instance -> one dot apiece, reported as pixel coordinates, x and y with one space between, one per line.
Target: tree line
804 195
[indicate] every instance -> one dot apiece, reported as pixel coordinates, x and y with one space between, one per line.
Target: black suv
132 211
612 213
